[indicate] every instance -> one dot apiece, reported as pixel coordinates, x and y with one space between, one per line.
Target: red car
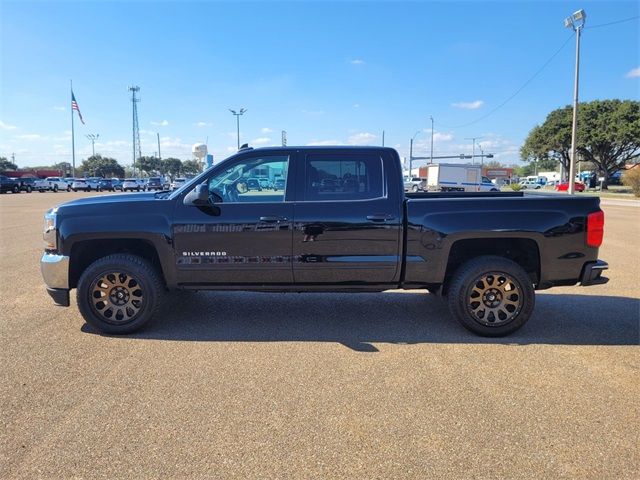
564 186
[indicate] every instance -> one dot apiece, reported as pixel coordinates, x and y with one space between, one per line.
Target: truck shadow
359 321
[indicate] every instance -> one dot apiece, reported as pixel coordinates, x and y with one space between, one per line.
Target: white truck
51 184
452 177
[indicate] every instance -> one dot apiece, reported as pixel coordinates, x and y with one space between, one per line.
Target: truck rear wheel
491 296
119 293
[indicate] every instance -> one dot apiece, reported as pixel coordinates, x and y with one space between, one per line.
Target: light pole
431 155
473 152
576 23
92 138
237 114
411 153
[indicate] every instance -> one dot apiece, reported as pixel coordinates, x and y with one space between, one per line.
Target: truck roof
318 148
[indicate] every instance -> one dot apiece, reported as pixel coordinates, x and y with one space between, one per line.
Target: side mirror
199 196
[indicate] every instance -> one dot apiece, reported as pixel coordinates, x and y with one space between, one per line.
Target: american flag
74 106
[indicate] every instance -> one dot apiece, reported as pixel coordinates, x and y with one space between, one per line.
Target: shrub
516 187
631 178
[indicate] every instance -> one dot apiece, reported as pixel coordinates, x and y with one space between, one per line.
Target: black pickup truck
341 223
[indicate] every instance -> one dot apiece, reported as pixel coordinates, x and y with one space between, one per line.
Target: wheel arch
523 251
84 252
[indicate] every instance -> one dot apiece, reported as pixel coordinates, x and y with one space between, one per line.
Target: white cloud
356 105
163 123
30 136
202 124
313 143
261 141
266 130
442 137
6 126
59 109
633 73
357 61
363 138
468 105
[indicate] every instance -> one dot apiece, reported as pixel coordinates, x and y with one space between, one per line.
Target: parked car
80 184
27 184
265 183
131 184
253 184
154 183
279 184
142 182
487 185
105 184
564 186
413 184
530 184
117 183
486 252
9 185
51 184
177 183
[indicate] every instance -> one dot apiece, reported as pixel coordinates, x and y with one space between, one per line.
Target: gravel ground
238 385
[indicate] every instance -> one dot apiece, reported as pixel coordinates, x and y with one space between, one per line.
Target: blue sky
326 72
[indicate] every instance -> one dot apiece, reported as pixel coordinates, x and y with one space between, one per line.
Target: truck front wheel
119 293
491 296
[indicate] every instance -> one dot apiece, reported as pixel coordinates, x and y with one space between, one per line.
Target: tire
111 276
41 191
29 189
477 292
75 189
55 189
68 189
414 188
15 189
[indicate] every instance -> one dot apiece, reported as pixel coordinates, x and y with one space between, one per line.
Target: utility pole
411 153
92 138
159 154
576 22
383 138
473 154
431 155
238 114
283 136
135 128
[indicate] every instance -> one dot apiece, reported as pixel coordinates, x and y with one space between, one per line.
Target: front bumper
55 272
592 273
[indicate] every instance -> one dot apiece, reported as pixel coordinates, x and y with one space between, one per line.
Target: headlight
50 234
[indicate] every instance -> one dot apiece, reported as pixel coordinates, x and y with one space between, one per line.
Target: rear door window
343 177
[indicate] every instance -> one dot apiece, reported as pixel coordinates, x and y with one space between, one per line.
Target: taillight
595 228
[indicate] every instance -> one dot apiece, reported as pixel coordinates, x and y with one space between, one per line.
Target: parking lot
318 385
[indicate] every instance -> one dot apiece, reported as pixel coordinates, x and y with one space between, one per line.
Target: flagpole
73 140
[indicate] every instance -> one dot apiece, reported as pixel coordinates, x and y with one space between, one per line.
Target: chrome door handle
273 219
380 217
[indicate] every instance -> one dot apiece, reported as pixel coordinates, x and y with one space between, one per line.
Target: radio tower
137 151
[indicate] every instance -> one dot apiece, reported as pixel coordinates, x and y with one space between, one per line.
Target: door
243 236
347 222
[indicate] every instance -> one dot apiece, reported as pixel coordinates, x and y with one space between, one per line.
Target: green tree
149 165
7 165
170 166
608 136
550 143
97 165
493 164
609 133
191 167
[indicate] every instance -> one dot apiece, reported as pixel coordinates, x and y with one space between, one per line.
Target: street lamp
473 151
92 138
237 114
576 23
411 152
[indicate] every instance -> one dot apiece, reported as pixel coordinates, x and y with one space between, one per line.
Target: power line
613 23
511 97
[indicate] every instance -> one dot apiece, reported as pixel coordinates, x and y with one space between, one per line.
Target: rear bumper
592 273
